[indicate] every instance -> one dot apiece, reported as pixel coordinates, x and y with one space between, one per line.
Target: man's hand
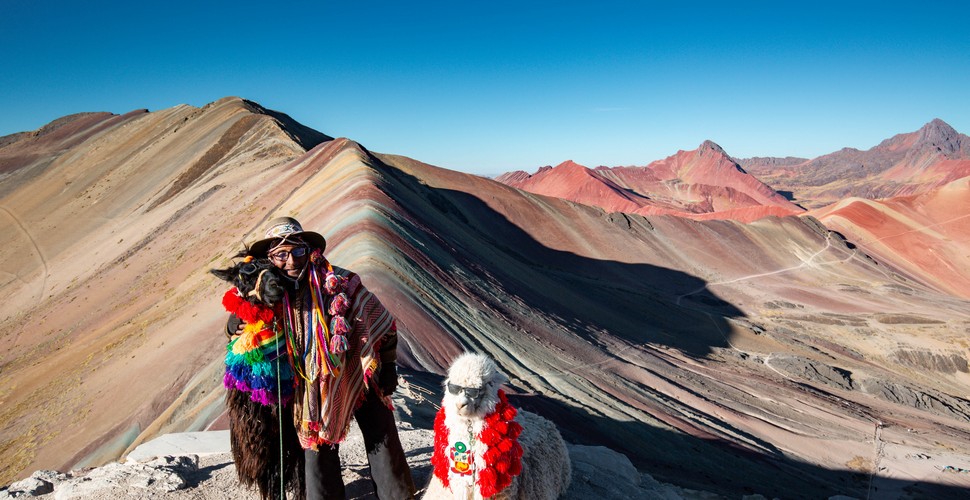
234 327
239 331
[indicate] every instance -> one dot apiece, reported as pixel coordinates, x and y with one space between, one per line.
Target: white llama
485 448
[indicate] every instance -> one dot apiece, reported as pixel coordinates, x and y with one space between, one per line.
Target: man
343 347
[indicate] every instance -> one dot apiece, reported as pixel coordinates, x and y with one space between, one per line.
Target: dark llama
259 382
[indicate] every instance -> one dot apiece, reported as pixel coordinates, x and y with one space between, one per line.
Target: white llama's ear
497 378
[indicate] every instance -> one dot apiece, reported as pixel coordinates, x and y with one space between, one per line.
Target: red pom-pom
504 445
487 482
515 468
489 436
230 299
501 427
504 480
491 454
508 412
439 458
514 430
250 313
265 314
516 450
491 418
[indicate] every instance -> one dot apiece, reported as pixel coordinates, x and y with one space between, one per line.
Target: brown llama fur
254 435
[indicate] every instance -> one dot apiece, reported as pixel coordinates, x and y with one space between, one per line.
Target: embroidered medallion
462 460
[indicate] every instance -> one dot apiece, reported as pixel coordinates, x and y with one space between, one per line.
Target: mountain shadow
478 252
692 462
542 312
721 466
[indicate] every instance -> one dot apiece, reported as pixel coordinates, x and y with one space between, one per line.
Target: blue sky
488 87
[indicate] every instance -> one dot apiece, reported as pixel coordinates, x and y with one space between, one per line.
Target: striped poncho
331 383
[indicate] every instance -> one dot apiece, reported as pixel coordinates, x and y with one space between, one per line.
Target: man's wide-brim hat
286 230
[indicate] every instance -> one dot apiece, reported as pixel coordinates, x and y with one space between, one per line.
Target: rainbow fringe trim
251 361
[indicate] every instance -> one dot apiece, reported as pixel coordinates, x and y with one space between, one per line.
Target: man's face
290 258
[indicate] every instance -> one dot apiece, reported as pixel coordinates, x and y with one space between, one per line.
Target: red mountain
572 181
905 164
923 236
703 183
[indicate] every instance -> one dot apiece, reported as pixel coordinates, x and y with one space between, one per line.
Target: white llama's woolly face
471 389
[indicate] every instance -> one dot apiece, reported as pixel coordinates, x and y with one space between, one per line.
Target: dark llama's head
256 279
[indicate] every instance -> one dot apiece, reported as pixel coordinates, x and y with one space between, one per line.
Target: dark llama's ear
224 274
229 274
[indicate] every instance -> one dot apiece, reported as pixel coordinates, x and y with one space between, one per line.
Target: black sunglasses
248 268
282 256
472 392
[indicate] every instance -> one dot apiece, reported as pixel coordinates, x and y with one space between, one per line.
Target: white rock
597 472
165 477
51 476
39 483
32 486
182 443
181 463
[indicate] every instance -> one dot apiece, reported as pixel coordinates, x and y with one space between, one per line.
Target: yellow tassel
247 341
254 328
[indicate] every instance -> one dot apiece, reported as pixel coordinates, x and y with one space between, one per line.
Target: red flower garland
503 453
250 313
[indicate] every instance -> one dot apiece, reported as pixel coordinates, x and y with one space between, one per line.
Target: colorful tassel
316 256
332 283
339 304
251 358
338 344
339 329
339 326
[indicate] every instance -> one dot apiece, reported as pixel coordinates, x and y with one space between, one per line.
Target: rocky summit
810 355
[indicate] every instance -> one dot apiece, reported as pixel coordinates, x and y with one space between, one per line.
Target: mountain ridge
687 345
699 183
905 164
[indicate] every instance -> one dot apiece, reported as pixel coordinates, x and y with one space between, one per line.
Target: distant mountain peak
938 124
569 164
939 135
710 145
